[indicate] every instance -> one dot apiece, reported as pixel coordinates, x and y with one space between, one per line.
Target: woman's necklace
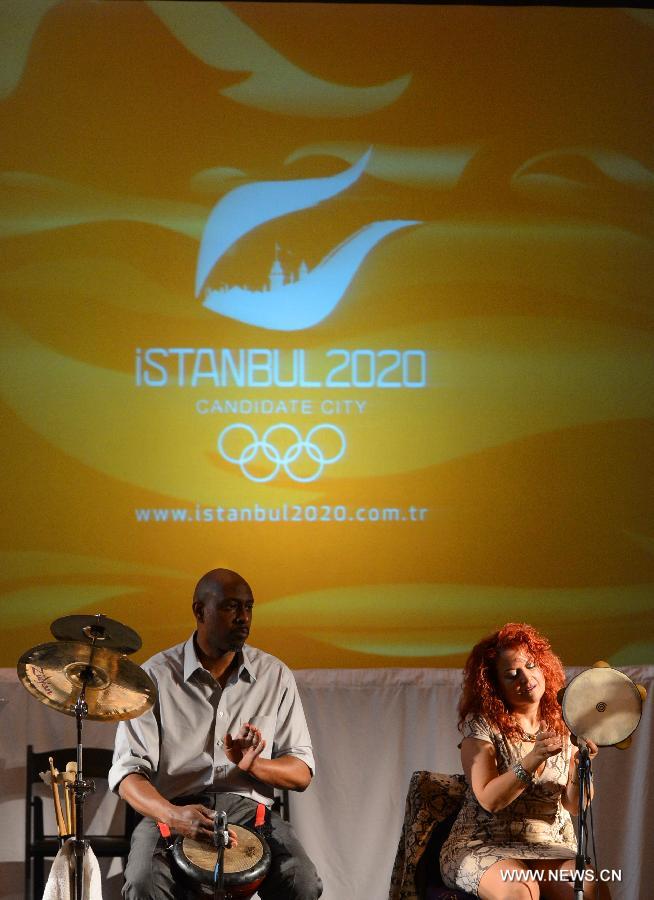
527 735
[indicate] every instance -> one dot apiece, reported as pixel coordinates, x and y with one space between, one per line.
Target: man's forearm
285 772
190 820
143 796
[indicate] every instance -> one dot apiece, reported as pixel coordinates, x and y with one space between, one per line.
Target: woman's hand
548 743
593 750
571 791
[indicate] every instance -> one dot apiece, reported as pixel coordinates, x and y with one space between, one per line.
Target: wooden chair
281 805
433 802
40 846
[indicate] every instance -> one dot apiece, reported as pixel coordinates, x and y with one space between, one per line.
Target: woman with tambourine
513 837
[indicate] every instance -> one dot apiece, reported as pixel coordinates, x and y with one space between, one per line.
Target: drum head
245 864
602 705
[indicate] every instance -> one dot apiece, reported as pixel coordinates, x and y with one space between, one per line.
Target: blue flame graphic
312 297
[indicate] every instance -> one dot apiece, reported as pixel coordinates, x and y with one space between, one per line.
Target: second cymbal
106 632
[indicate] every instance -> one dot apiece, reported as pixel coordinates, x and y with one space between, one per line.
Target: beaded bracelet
522 774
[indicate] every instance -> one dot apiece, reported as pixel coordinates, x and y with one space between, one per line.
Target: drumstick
54 774
69 786
69 815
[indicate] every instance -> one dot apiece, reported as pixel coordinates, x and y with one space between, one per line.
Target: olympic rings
281 460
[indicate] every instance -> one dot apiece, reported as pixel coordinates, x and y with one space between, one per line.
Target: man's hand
197 822
244 749
192 821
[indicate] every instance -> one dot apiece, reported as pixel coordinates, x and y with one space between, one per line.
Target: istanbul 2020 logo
284 305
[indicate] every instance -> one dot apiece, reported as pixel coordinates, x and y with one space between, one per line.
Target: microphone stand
583 774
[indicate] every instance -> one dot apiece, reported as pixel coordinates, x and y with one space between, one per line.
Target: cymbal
107 632
116 688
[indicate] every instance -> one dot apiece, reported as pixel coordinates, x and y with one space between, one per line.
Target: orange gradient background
521 141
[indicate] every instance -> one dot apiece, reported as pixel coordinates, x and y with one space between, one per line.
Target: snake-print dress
533 826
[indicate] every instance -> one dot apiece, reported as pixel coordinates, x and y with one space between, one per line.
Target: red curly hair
481 694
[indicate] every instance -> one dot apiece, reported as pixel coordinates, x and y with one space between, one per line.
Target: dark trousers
151 874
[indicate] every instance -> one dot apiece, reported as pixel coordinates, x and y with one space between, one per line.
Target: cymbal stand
581 860
90 652
81 787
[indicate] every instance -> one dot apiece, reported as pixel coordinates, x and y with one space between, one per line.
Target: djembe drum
245 866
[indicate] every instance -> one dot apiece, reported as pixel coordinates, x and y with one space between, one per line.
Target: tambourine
603 705
245 865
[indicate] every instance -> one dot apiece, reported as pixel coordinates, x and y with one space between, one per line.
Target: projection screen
353 299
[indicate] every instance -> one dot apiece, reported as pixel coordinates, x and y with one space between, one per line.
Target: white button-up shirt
179 744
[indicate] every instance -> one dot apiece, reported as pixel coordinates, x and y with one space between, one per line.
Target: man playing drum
228 727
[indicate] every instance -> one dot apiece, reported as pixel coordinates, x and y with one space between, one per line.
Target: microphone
221 840
220 832
584 752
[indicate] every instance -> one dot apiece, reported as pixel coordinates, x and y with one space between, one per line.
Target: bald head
215 584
